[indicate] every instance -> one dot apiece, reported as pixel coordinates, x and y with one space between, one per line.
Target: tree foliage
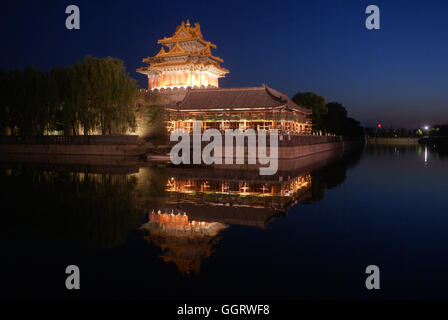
94 211
329 118
336 122
393 133
157 116
3 110
93 95
316 104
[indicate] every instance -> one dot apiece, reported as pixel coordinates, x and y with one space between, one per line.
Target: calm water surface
143 231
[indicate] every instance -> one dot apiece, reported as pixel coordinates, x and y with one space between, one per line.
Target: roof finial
188 23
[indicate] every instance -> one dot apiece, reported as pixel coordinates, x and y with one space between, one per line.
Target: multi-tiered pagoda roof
185 60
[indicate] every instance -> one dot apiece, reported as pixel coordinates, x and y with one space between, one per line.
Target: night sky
396 75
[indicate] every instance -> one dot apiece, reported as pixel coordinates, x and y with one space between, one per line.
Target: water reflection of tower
184 242
198 204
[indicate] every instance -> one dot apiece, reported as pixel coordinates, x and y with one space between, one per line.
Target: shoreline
112 149
393 141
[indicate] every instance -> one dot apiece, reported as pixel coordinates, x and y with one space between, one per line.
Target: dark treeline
329 118
439 130
434 131
332 175
93 211
392 133
91 96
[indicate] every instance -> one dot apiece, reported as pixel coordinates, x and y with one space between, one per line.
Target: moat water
158 232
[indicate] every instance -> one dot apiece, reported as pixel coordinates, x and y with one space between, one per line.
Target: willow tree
92 95
107 95
4 116
27 102
85 93
63 93
120 92
12 100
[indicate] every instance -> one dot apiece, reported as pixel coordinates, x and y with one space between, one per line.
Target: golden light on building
241 188
183 77
183 241
185 60
239 108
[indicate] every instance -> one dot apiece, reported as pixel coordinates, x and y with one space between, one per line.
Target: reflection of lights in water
225 187
426 154
182 241
242 188
264 189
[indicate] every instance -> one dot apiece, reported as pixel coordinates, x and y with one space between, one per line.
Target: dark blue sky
396 75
